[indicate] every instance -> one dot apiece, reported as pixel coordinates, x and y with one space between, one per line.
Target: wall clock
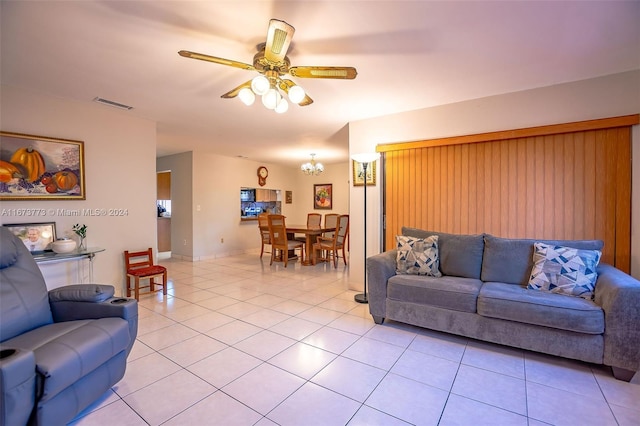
262 175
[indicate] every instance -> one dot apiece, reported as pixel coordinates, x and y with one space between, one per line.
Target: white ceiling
409 55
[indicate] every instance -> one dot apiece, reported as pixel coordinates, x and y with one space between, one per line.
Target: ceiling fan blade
286 84
348 73
214 59
279 38
234 92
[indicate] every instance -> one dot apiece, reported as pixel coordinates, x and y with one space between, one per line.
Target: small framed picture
323 196
288 197
36 236
358 173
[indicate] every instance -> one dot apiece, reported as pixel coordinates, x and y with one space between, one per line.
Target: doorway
163 203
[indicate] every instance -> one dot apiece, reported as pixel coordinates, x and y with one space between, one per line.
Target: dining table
310 237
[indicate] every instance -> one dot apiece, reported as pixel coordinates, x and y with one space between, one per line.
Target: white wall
336 174
205 201
119 173
602 97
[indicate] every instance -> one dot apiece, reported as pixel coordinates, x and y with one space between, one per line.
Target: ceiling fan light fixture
273 64
296 94
260 85
247 96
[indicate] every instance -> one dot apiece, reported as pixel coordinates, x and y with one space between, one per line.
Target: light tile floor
237 342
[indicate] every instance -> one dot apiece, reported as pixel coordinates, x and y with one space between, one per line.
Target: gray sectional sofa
482 294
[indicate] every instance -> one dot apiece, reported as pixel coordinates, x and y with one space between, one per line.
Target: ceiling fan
273 64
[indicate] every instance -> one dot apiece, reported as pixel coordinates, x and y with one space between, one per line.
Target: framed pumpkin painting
41 168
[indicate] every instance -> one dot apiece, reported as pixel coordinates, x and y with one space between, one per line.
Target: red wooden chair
139 266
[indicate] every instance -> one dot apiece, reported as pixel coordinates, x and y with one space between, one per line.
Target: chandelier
312 168
269 86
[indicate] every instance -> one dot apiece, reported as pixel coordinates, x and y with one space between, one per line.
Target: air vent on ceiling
111 103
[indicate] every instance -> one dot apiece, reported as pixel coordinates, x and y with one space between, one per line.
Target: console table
50 257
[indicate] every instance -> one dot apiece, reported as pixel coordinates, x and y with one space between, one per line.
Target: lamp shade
366 157
247 96
296 94
282 106
260 85
271 99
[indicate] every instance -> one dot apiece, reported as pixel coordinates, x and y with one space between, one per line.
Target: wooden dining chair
331 246
330 221
263 227
279 241
314 221
139 266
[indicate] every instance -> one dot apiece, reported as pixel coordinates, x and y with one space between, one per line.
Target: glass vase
82 244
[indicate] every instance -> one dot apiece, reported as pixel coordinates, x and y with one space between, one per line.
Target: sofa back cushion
460 255
24 302
508 260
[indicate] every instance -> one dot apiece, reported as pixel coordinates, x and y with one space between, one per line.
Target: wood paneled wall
570 181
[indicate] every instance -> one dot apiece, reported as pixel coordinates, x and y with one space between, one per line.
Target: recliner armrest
17 385
71 310
82 293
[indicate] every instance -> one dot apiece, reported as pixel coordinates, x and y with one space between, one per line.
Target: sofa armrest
619 296
380 268
17 385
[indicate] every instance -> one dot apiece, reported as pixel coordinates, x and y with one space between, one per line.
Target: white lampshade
366 157
296 94
247 96
282 106
271 98
260 85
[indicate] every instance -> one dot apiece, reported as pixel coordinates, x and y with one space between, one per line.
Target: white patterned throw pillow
564 270
418 256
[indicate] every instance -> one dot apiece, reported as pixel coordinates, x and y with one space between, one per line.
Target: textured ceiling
409 55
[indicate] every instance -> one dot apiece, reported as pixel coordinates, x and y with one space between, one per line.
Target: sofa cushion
564 270
417 256
510 261
68 351
460 255
458 294
515 303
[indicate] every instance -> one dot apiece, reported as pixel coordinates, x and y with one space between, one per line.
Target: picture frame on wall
323 196
358 173
41 168
36 236
288 196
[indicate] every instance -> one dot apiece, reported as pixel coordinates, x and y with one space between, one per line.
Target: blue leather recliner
60 350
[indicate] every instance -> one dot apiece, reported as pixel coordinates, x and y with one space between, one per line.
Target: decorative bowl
63 246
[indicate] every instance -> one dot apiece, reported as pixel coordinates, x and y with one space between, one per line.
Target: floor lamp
365 159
